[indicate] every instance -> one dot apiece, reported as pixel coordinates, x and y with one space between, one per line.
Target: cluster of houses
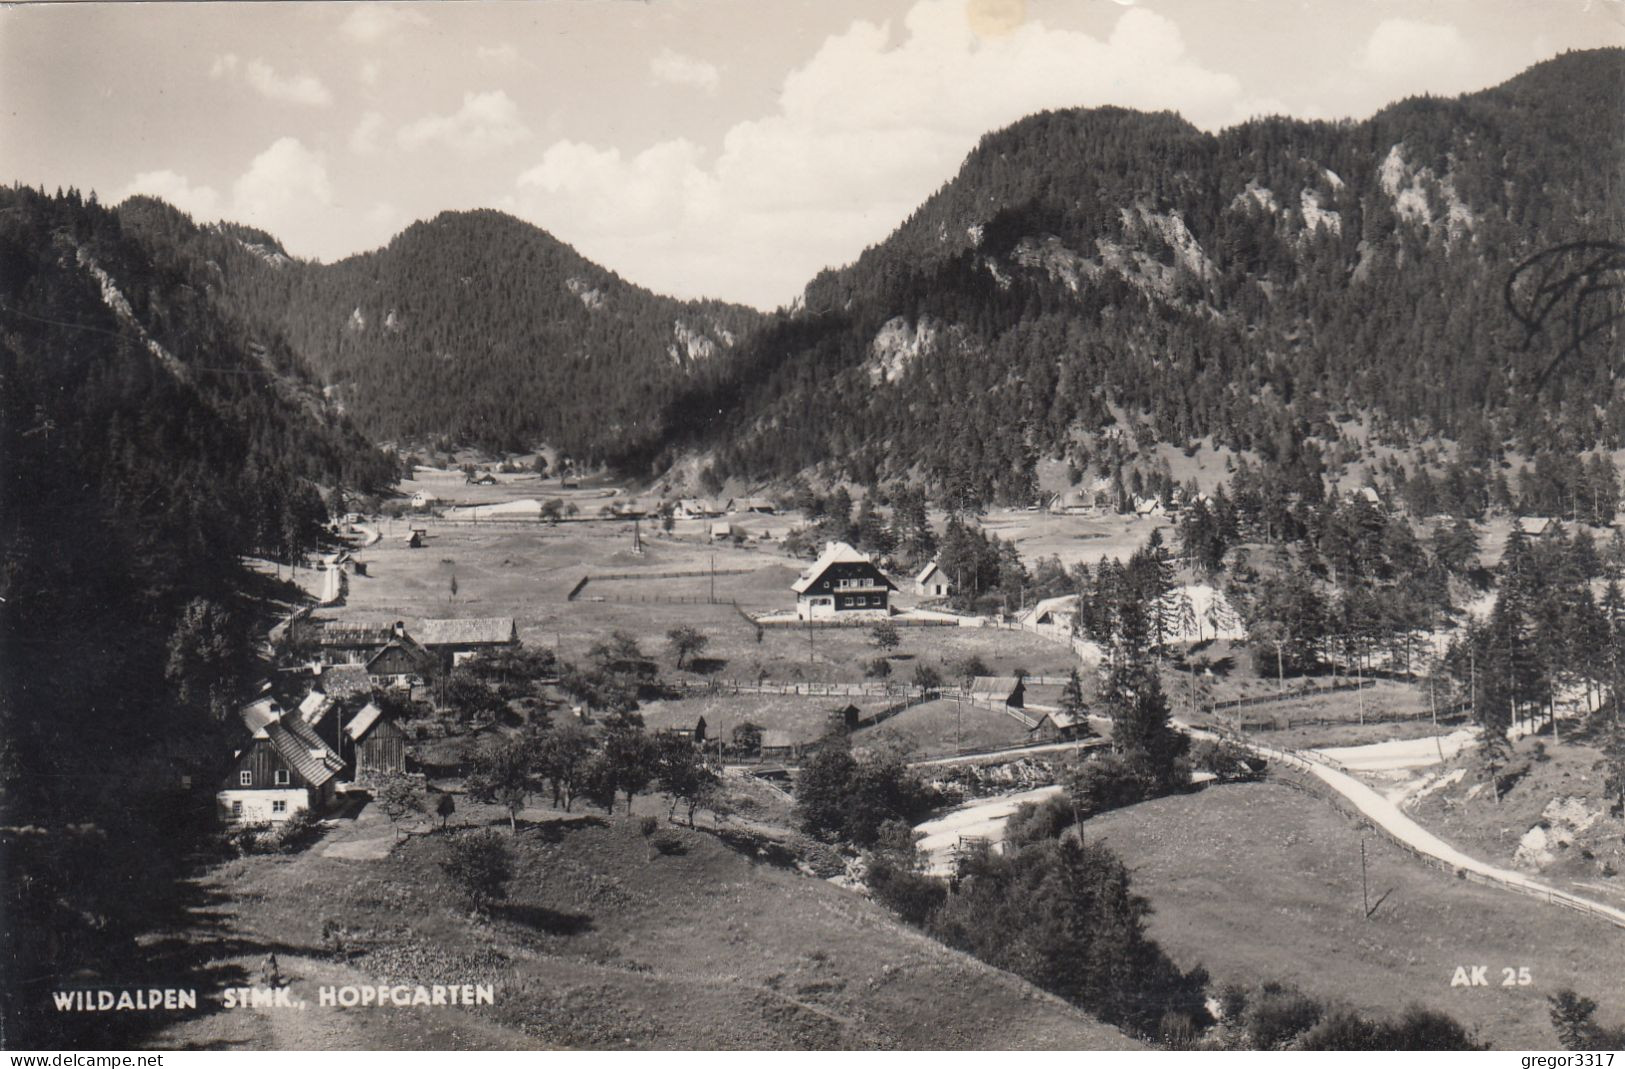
294 759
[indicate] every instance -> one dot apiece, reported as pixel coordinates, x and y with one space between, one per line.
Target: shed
378 746
1000 690
932 583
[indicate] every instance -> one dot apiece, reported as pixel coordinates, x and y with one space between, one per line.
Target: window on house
862 602
246 778
279 807
846 602
236 809
280 777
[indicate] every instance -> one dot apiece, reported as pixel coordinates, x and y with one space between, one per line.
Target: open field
1260 881
1072 538
527 570
603 943
807 719
942 727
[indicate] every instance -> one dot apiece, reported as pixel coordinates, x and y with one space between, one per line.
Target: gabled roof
481 631
306 753
314 707
362 721
256 714
834 553
750 504
1060 718
1534 525
1000 685
1064 603
352 636
925 573
401 642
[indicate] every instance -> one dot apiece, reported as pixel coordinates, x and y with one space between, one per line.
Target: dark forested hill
477 327
1102 268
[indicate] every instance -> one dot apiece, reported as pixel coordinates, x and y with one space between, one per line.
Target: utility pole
713 579
1365 887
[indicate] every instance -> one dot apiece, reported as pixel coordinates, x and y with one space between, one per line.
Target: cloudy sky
726 148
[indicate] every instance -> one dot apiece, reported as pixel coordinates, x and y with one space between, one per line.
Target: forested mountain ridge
1097 269
479 328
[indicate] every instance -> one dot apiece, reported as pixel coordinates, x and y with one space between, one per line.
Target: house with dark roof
999 690
282 768
1057 725
751 504
842 584
401 663
342 681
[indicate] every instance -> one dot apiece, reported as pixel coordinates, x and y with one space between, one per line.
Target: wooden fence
805 690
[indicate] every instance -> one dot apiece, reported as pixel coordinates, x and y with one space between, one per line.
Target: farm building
778 745
1053 612
751 504
696 508
401 663
338 643
455 641
414 540
999 690
1534 526
377 745
842 582
1148 506
932 583
722 530
525 508
284 768
1059 726
423 500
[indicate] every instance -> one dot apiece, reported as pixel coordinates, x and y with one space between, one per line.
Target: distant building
401 663
999 690
751 504
777 745
1535 526
722 530
1053 612
455 641
484 478
283 768
1059 726
932 583
342 681
422 500
414 540
696 508
842 583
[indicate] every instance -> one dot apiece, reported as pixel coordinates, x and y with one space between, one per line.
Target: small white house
932 583
423 499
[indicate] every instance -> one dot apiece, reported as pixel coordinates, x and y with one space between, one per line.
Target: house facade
842 584
932 583
455 641
283 769
377 745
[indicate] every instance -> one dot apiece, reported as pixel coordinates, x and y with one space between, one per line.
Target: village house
1058 726
340 643
283 769
722 531
414 540
751 504
423 500
1534 526
402 661
696 508
778 746
932 583
341 681
455 641
842 583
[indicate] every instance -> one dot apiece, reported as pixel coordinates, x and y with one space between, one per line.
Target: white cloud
674 68
200 202
502 54
372 22
369 72
364 138
284 191
1414 57
486 121
868 128
263 79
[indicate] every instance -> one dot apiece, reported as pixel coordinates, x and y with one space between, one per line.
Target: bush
1279 1013
911 895
648 825
297 831
879 668
479 865
1104 783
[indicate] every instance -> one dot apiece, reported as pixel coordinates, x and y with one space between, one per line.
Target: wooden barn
377 744
842 583
1059 726
455 641
999 690
401 663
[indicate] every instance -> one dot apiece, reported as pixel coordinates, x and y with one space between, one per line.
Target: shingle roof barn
474 631
308 755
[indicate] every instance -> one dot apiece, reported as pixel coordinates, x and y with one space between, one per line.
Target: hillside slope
473 326
1095 281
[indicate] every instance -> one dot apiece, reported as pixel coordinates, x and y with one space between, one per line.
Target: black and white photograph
812 525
